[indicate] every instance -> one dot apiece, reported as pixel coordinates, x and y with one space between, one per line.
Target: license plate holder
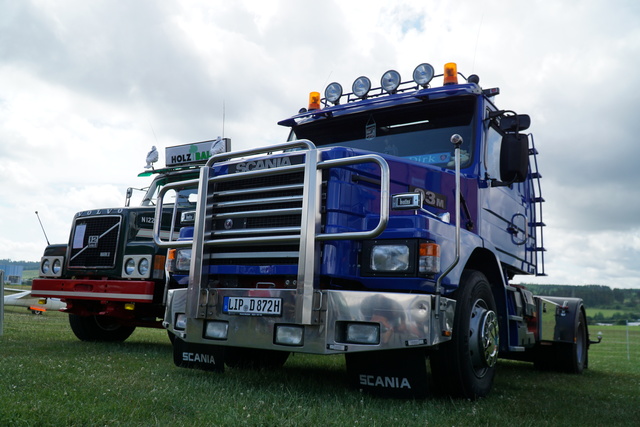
252 306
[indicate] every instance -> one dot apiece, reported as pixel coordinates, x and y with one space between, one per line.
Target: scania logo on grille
228 224
275 162
93 241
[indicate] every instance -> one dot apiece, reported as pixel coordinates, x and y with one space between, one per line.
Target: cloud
87 88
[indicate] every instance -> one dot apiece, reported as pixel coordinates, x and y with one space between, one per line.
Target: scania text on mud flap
111 274
389 229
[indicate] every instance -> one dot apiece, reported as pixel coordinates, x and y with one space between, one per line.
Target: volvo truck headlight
136 266
45 267
56 267
143 266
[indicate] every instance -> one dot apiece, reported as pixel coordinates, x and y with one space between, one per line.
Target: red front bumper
99 290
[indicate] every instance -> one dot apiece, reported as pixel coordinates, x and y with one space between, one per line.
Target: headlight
130 266
57 266
390 258
183 259
143 266
137 266
45 267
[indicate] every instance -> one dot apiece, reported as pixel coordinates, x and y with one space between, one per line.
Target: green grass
48 377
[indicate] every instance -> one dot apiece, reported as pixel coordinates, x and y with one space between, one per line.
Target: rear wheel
99 328
466 365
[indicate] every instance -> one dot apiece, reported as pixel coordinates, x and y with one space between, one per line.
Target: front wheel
99 328
466 365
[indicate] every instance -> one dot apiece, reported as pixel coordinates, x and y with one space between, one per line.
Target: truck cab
387 228
110 273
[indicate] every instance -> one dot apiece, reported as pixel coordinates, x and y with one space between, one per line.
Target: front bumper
140 291
404 320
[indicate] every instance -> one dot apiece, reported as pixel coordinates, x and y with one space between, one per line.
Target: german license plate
252 306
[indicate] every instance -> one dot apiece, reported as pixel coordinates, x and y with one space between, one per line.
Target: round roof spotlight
361 87
390 81
423 74
333 92
473 78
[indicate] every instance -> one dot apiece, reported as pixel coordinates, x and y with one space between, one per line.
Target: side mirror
516 123
514 158
128 199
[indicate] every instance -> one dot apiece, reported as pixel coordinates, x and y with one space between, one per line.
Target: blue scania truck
388 228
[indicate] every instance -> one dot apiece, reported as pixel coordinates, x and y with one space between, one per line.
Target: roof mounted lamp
450 74
333 92
361 87
423 74
390 81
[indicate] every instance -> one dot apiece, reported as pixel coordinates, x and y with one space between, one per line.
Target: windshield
185 198
420 132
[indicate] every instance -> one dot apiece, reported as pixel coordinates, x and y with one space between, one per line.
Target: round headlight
46 266
361 87
143 266
333 92
57 266
390 81
423 74
130 266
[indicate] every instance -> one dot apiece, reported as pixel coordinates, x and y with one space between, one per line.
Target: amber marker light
314 100
429 261
450 74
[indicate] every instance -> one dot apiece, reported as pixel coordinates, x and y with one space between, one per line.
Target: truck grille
94 242
255 208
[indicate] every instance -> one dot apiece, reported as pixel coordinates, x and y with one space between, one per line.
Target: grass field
48 377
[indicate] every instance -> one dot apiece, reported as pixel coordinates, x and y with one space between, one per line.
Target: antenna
45 233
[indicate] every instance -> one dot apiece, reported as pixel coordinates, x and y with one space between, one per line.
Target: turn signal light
429 261
450 74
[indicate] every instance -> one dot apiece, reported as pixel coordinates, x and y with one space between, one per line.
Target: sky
88 87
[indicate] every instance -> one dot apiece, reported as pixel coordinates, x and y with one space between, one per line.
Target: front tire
99 328
466 365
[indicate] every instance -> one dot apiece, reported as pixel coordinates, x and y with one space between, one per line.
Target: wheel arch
485 261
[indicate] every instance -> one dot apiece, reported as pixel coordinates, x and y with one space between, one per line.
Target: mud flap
391 373
198 356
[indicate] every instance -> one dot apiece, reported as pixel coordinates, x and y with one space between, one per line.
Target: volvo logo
228 224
